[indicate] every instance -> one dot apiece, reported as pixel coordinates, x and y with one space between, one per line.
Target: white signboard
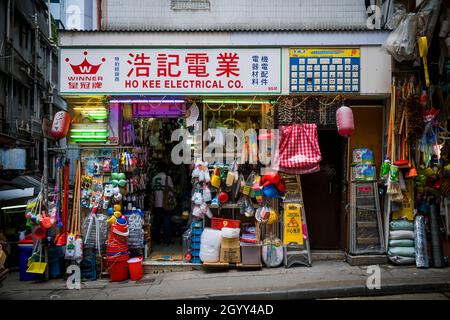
170 71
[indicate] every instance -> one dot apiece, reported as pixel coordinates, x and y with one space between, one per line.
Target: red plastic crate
219 223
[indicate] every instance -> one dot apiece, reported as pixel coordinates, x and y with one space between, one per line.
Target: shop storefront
179 164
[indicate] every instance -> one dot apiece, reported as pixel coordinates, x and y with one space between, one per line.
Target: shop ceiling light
99 116
89 136
228 101
94 112
96 139
89 130
87 109
14 207
147 101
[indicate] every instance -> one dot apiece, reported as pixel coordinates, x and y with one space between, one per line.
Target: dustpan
37 267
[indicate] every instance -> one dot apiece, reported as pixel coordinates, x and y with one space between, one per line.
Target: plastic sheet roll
401 225
420 241
401 235
436 249
402 251
402 260
401 243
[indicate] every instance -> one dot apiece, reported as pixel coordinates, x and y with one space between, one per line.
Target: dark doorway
322 194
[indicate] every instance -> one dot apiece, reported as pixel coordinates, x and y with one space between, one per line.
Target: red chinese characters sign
164 71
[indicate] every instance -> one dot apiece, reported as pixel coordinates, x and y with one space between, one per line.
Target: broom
393 184
78 240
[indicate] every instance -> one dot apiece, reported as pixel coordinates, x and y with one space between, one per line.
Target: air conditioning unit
49 99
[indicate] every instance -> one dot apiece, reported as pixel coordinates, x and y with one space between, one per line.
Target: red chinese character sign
171 71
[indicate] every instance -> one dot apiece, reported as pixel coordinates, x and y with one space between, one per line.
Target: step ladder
295 253
366 229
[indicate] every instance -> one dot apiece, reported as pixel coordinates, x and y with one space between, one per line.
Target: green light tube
236 101
88 130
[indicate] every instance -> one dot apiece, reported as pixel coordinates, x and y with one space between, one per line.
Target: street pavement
406 296
326 279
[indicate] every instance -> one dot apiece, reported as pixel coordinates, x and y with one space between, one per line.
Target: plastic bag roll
420 241
436 249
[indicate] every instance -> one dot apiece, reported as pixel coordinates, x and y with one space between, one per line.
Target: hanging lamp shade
344 121
60 125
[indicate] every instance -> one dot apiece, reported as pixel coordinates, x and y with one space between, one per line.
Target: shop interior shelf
233 206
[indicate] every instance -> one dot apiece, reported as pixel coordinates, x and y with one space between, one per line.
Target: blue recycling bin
25 251
55 261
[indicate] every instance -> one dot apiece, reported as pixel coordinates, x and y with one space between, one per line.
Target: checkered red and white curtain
299 151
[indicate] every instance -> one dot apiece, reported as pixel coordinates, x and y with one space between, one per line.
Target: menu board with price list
324 70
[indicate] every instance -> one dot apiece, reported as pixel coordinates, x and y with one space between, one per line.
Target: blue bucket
25 252
271 192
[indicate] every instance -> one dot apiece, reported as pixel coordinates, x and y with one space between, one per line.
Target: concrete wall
259 15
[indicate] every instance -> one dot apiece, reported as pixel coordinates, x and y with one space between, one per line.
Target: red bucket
118 269
136 270
116 248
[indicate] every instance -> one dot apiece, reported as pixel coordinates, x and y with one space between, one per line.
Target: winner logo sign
171 71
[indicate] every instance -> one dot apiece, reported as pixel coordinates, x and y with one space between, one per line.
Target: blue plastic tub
25 252
197 232
55 261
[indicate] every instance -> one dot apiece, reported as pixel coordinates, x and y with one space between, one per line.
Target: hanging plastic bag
206 194
70 247
248 184
401 43
197 198
215 180
396 15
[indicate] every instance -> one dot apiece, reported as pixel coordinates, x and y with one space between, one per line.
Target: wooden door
322 194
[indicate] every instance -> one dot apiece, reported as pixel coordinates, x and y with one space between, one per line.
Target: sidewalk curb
336 292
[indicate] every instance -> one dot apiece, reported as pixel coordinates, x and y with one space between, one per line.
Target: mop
70 247
78 241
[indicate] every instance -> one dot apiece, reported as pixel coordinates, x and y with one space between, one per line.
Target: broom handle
392 123
76 200
391 119
79 207
66 196
75 195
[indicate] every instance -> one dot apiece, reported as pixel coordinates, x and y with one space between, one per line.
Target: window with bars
190 5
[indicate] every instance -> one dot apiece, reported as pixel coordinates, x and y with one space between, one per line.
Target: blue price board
324 70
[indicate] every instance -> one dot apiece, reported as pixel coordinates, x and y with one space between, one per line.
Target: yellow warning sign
293 223
292 231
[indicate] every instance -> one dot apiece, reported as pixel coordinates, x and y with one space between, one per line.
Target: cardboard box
2 258
230 250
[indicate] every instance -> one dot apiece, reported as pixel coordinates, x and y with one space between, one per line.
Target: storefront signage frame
66 65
